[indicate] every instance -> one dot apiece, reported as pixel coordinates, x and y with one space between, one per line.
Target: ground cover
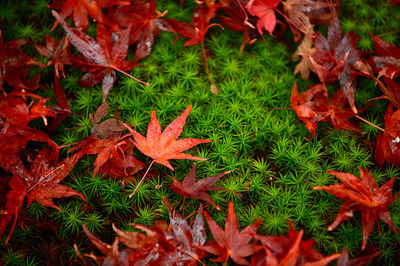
261 148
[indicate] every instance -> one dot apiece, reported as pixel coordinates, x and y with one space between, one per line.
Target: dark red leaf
15 66
292 250
197 190
148 23
387 63
15 115
362 195
314 105
59 53
101 58
231 242
336 56
388 142
15 198
361 261
81 9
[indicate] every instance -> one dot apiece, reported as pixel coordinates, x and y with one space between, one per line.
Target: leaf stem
129 75
141 180
44 177
183 206
369 123
207 69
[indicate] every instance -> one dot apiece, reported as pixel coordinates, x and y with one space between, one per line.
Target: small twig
369 123
141 180
43 177
278 108
129 75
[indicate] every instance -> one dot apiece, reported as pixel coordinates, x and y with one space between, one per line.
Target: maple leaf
15 198
101 58
237 19
15 132
43 178
200 25
114 153
57 52
298 20
81 9
305 50
335 57
198 190
114 156
362 195
292 250
264 10
162 147
187 240
231 242
15 66
40 183
388 142
391 92
314 105
388 62
159 245
148 24
344 259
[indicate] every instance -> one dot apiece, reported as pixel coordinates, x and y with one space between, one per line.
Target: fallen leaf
362 195
164 146
231 242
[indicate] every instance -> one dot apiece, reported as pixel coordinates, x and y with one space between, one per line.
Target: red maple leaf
314 105
360 261
81 9
237 19
200 25
387 63
57 52
362 195
197 190
114 153
15 199
159 245
388 142
40 183
148 23
15 133
336 56
186 239
292 250
15 66
265 11
101 58
231 242
162 147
